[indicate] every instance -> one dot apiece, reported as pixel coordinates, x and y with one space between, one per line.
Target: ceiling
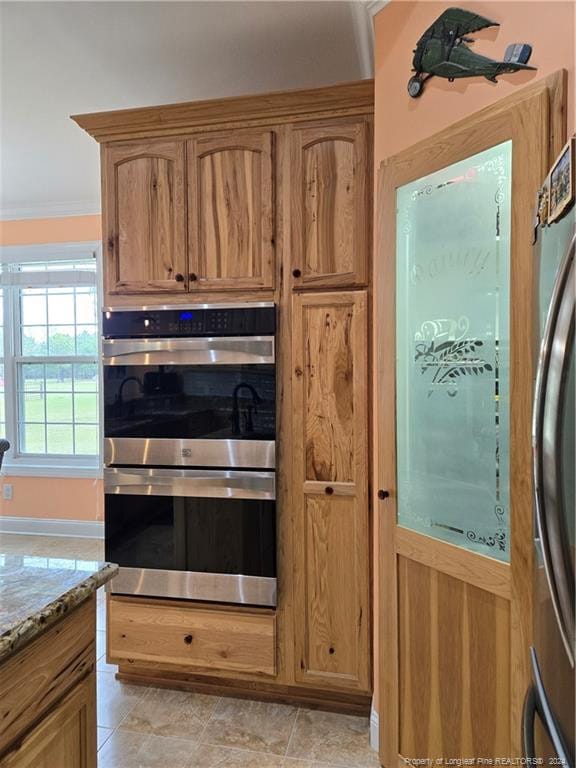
63 58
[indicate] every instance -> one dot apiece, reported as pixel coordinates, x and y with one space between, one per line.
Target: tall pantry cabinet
250 199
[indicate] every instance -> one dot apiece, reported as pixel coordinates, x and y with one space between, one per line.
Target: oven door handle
191 483
225 350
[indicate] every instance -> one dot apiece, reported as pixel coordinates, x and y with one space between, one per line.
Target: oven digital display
186 315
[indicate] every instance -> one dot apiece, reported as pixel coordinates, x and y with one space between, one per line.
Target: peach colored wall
66 229
54 498
51 497
401 121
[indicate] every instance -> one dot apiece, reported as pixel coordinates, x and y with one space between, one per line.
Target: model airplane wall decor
442 51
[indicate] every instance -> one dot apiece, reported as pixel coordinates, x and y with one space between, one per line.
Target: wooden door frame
492 125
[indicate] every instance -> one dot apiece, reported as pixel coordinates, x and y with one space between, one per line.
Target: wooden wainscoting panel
190 638
462 694
481 571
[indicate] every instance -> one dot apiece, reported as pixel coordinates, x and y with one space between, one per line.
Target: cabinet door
65 738
330 212
145 225
331 568
231 211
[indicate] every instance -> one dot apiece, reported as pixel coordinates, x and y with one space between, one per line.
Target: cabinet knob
383 494
179 277
296 273
328 490
188 639
193 277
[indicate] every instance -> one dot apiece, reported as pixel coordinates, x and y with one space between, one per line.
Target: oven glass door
194 521
220 402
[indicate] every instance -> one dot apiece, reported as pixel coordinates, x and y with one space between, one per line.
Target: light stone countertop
36 591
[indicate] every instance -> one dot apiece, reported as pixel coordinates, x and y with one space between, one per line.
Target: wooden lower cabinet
181 635
66 738
48 696
330 477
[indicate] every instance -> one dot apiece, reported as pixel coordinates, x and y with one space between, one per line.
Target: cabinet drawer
185 636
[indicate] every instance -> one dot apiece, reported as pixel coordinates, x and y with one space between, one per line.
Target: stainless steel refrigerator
548 722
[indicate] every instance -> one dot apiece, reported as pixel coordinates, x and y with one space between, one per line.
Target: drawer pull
328 490
297 273
188 639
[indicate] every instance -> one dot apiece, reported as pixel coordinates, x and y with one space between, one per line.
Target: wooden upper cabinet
144 217
330 493
330 211
231 211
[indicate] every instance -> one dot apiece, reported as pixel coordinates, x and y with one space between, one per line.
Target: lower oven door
194 534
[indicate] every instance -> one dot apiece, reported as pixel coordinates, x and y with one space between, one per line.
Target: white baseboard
374 730
84 529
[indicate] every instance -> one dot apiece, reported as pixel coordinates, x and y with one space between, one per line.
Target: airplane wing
512 66
459 22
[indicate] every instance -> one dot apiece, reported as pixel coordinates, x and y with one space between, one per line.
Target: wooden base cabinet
66 738
331 529
48 696
182 634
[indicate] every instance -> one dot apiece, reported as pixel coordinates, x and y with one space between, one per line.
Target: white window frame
16 464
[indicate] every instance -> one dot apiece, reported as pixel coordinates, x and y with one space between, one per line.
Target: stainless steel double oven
189 451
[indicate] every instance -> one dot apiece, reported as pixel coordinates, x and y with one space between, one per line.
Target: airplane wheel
415 86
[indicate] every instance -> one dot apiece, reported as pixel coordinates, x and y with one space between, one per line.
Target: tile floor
145 727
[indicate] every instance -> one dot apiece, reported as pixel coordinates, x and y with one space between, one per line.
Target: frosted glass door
452 346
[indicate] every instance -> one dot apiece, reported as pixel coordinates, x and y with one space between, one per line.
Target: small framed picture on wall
561 191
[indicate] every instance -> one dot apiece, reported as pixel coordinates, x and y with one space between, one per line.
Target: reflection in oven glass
208 535
188 402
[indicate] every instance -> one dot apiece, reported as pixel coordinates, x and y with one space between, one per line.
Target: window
2 398
49 376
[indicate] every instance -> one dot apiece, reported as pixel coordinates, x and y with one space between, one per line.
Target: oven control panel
245 320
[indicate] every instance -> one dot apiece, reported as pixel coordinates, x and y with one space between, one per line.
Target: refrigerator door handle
537 702
528 723
549 398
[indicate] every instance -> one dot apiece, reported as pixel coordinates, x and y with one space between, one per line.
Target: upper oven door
195 402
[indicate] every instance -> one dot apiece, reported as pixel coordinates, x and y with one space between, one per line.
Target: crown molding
363 13
364 36
49 211
343 99
375 6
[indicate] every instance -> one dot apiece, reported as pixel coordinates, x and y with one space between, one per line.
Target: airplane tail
518 53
